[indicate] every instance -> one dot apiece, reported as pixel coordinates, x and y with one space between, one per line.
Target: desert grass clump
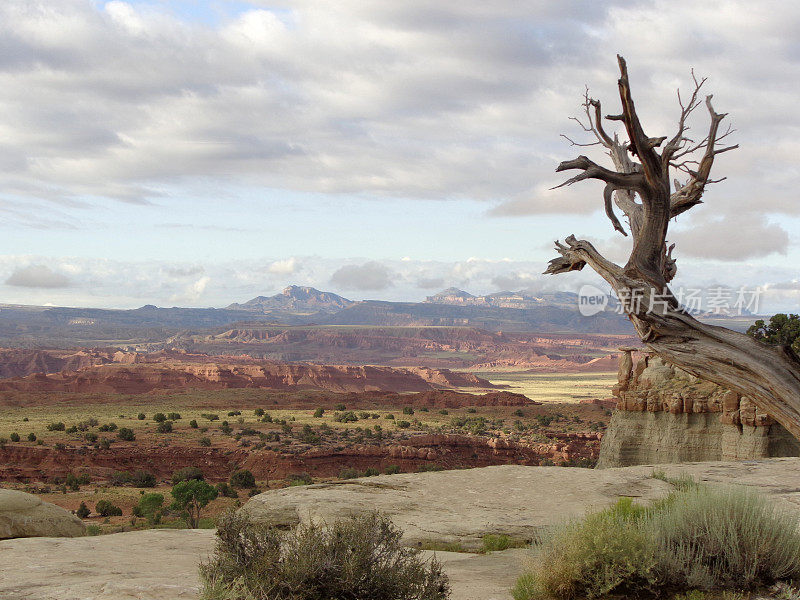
359 558
698 538
728 537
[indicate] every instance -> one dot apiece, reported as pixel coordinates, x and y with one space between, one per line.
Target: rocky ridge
133 373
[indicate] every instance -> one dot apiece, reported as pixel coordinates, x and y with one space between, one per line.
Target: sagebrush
700 537
358 558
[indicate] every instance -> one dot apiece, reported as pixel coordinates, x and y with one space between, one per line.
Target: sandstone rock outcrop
665 415
25 515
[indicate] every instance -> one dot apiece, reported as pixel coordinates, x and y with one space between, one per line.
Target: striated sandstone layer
665 415
137 374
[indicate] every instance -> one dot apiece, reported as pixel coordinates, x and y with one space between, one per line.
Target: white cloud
288 266
37 276
367 277
415 99
731 238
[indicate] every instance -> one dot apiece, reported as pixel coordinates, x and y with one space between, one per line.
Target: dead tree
641 186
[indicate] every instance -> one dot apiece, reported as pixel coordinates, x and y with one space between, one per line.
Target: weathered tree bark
769 375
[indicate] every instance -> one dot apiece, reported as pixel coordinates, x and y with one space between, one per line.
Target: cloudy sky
188 152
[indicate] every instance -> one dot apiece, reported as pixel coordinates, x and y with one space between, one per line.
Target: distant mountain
151 327
523 299
295 298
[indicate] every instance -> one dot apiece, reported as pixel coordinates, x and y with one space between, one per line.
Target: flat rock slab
463 506
460 506
162 565
157 564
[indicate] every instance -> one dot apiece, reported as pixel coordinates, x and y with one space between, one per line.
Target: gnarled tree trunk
643 192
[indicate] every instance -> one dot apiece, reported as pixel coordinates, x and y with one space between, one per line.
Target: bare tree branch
770 376
591 170
690 194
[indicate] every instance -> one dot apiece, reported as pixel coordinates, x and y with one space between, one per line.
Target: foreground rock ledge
162 564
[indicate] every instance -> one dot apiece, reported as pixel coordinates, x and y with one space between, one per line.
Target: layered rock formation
136 374
38 463
25 515
18 362
666 415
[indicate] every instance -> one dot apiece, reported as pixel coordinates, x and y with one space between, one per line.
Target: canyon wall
665 415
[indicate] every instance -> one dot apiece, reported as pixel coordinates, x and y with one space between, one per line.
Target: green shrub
141 416
223 489
346 417
140 478
83 511
242 479
14 437
259 412
210 416
319 412
186 474
90 437
234 413
126 434
700 537
192 496
92 530
339 407
74 482
164 427
359 558
407 410
389 416
392 470
371 472
349 473
31 437
299 479
56 427
159 417
205 441
193 424
105 508
174 416
403 424
108 427
150 505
